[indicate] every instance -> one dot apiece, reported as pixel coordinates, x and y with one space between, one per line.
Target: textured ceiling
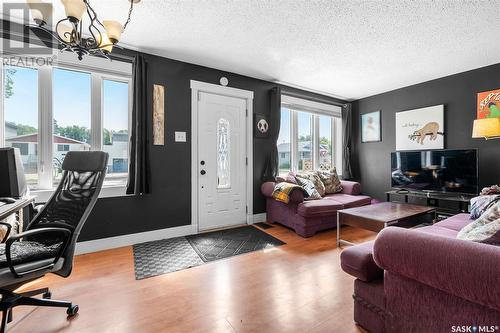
350 49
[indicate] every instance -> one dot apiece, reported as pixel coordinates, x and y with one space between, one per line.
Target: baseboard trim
262 217
126 240
131 239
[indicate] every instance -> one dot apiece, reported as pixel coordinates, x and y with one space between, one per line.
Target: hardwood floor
297 287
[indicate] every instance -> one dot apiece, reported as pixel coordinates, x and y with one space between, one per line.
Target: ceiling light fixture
69 32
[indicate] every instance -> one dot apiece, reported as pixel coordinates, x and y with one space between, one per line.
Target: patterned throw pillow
485 229
309 187
330 180
314 178
481 204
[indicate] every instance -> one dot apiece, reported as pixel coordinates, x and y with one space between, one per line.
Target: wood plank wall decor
158 115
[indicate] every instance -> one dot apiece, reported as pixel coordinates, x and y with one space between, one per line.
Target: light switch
180 136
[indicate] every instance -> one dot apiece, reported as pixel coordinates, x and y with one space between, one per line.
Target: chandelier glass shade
98 38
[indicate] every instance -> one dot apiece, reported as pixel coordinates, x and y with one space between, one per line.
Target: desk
16 208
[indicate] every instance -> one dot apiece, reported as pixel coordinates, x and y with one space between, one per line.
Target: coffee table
378 216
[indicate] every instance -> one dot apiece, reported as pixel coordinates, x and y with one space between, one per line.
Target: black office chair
49 241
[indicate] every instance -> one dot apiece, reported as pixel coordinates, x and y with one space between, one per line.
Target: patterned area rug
174 254
231 242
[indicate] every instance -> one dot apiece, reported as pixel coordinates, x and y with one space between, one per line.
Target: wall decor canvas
158 115
261 126
488 104
420 128
371 127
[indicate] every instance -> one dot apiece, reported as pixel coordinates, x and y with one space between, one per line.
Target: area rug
174 254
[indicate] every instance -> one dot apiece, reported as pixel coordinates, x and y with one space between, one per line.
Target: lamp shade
487 128
64 31
114 30
104 43
41 12
74 8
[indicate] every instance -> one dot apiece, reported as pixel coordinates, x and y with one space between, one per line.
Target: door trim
196 88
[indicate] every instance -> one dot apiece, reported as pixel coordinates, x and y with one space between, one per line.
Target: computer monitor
12 179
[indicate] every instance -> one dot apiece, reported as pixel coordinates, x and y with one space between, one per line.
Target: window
115 130
223 151
62 147
71 106
23 147
20 113
310 134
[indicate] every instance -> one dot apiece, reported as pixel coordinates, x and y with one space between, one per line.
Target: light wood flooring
297 287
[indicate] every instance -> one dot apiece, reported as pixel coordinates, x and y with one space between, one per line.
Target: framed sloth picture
420 129
261 126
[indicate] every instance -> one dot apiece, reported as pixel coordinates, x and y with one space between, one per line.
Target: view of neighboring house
304 156
28 146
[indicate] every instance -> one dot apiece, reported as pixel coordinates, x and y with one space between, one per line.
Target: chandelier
98 39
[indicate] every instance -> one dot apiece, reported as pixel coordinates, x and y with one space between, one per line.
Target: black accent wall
458 94
169 204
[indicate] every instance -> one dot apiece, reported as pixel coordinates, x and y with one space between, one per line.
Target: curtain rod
312 98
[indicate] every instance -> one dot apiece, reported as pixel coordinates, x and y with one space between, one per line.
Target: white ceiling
350 49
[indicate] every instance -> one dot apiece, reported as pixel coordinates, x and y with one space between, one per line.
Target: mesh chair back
72 202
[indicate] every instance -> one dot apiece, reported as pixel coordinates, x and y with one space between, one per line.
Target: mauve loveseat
310 216
425 280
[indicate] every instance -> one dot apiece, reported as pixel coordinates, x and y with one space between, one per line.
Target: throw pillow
481 204
309 187
486 229
314 178
330 180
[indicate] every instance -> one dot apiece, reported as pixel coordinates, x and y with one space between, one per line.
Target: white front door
221 161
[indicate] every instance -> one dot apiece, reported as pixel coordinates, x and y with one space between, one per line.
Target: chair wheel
73 310
47 295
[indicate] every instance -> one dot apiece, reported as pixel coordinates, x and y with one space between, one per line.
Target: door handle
203 172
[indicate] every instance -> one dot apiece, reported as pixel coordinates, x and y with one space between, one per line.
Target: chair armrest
358 261
464 269
33 232
9 229
267 189
349 187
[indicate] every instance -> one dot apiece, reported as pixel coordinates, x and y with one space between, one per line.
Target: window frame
316 109
99 70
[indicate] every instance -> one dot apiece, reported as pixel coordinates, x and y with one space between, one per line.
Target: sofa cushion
439 231
485 229
479 205
318 208
358 261
456 222
314 178
348 200
331 180
309 187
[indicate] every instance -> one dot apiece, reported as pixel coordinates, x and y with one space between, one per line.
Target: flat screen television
448 171
12 179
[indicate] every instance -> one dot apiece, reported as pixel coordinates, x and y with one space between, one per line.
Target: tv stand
446 204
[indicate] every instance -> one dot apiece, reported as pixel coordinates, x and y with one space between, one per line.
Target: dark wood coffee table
378 216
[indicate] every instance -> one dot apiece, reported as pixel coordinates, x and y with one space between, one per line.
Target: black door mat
221 244
263 225
174 254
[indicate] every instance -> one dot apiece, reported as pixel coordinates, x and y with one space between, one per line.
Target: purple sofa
309 217
425 280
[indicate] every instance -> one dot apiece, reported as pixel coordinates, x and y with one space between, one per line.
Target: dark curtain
347 141
139 171
271 167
